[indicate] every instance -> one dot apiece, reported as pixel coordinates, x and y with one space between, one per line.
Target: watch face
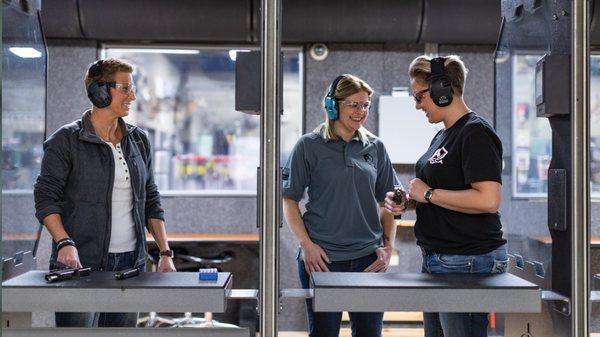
428 194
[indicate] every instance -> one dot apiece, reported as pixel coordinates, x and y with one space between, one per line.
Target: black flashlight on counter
127 273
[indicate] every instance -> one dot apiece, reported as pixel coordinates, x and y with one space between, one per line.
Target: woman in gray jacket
96 192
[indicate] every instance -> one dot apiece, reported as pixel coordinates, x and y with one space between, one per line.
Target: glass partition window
186 102
532 136
23 99
23 123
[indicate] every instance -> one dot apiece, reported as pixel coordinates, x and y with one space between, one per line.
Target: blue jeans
461 324
116 262
327 324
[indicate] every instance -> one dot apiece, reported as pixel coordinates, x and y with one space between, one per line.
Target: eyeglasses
418 96
125 88
355 105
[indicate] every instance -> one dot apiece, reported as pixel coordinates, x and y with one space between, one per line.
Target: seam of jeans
445 264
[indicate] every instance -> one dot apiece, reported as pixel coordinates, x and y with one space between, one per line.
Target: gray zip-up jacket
76 182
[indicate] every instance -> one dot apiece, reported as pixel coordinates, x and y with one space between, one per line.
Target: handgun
67 274
402 199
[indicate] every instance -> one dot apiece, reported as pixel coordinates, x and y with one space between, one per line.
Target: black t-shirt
468 152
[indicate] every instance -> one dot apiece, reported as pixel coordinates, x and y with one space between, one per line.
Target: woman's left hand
383 260
417 189
391 206
165 264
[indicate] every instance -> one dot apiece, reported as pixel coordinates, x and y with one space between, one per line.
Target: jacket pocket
68 216
89 231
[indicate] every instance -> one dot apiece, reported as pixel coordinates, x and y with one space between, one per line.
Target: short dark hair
110 67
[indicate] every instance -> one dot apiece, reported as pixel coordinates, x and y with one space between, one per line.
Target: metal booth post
270 176
580 196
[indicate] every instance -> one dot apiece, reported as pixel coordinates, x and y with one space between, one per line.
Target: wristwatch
168 253
428 194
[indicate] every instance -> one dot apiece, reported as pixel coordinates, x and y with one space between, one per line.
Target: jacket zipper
136 221
111 183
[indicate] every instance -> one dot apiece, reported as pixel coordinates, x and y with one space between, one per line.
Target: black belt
426 251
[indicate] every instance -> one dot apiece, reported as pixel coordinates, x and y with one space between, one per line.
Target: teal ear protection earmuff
440 87
330 103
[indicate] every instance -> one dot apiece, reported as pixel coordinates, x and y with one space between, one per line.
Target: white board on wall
403 129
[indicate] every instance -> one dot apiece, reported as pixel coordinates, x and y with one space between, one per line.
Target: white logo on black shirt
438 156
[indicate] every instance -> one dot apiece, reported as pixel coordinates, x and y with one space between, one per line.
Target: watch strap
168 253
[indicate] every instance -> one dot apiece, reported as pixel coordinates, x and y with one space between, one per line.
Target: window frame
103 49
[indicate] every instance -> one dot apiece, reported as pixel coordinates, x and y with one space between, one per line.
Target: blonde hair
110 67
420 71
347 86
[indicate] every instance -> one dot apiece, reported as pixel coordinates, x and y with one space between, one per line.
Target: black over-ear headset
440 86
330 103
98 91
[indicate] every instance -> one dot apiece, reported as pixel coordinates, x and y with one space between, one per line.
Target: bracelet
62 243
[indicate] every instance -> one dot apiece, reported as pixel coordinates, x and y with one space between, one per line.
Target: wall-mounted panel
461 22
60 19
595 22
399 109
350 21
158 20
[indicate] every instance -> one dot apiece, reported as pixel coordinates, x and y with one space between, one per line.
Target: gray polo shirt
345 182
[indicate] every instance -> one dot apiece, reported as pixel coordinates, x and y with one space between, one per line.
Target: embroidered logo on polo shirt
438 156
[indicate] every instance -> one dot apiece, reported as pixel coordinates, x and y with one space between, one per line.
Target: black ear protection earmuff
330 103
440 87
98 91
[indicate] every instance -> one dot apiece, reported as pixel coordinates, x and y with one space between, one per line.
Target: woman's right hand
69 257
315 258
391 206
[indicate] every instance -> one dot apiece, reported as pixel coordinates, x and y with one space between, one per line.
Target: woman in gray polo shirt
347 172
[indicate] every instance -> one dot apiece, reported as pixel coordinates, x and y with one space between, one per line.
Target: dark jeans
327 324
116 262
461 324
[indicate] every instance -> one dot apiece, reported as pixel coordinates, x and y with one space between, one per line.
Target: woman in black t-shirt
457 187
